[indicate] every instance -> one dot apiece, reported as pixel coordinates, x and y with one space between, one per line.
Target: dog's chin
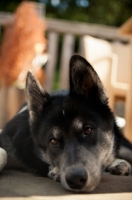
83 190
86 189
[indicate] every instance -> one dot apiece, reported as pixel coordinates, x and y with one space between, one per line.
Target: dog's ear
36 96
84 80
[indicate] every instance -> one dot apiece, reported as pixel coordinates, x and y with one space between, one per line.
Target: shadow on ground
22 184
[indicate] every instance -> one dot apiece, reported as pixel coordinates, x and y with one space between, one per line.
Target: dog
71 136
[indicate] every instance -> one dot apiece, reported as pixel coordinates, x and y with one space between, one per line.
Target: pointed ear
36 97
84 80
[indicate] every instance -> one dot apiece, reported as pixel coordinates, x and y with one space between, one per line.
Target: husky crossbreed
70 136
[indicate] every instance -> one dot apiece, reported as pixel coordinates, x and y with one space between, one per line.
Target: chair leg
3 105
128 117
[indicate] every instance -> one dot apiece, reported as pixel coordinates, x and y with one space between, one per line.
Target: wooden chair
106 63
123 86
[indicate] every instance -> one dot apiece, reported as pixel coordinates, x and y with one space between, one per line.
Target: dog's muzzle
76 177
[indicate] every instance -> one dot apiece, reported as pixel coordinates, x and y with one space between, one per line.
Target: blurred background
42 35
112 12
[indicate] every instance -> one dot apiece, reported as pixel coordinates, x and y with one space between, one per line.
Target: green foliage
113 12
10 5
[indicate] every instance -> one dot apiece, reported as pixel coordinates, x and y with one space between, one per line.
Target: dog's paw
54 173
120 167
3 158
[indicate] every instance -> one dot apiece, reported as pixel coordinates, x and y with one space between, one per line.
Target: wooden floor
22 184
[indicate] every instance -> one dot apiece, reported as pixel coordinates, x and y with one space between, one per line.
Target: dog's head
74 132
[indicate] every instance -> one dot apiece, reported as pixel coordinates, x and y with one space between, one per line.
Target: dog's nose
76 178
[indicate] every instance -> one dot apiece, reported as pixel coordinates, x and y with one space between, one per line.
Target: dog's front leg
54 173
120 167
3 158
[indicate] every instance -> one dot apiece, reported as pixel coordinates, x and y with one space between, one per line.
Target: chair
102 56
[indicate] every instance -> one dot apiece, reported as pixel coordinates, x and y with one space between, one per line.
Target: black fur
48 127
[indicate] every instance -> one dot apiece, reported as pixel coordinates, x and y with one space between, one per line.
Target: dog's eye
54 142
87 130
